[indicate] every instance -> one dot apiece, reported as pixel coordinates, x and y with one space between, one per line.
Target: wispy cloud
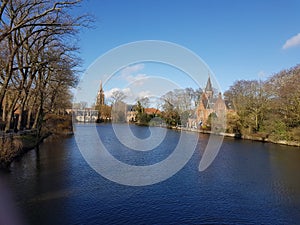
137 80
131 75
144 94
109 93
129 70
131 95
292 42
126 91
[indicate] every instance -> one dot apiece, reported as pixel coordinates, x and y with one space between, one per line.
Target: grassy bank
245 137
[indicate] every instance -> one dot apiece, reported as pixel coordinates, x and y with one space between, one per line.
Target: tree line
265 108
174 107
269 108
38 60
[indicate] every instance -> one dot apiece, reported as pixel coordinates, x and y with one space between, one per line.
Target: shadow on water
248 183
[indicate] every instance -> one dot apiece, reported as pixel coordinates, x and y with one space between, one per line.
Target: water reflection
248 183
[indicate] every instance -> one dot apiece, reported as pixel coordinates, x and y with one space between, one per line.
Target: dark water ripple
248 183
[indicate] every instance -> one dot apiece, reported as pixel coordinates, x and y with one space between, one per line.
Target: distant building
104 111
131 113
209 105
131 116
87 115
91 115
100 96
152 111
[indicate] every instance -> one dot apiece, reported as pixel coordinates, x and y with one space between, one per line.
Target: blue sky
236 39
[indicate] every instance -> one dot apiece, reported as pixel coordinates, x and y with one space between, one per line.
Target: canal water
248 183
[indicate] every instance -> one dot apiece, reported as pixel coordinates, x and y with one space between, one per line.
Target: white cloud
144 94
129 70
137 80
127 92
131 95
132 79
108 93
292 42
131 75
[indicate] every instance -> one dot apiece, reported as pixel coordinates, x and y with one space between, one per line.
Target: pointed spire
100 95
208 84
100 89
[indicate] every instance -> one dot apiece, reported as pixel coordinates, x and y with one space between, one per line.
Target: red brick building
209 104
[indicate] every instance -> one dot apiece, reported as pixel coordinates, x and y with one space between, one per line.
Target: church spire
100 95
100 89
208 84
208 89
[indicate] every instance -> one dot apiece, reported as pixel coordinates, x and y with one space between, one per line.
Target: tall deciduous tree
271 107
37 57
251 102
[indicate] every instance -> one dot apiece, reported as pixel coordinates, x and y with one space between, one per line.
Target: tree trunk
29 118
10 113
21 109
4 109
37 116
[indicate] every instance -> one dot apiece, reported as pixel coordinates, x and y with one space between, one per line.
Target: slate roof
208 85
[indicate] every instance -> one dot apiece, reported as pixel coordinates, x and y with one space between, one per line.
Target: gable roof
208 85
152 111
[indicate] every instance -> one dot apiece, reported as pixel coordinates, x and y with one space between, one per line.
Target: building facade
100 96
210 106
86 115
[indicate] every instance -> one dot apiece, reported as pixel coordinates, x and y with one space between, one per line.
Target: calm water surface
248 183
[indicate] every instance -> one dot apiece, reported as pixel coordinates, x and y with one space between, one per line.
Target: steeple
100 95
208 85
208 89
100 85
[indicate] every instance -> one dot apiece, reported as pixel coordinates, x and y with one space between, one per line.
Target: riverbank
15 144
240 136
57 176
232 135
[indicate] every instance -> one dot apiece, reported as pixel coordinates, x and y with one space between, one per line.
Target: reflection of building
86 115
209 106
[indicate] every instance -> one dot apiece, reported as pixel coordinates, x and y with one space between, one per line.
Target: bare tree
117 96
144 102
37 57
